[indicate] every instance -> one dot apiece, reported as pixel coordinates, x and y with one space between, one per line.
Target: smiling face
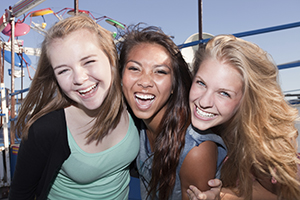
81 68
147 80
215 94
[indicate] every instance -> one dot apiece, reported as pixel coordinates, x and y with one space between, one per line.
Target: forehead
73 47
220 74
148 47
76 37
150 52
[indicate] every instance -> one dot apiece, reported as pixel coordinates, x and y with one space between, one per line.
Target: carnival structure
14 53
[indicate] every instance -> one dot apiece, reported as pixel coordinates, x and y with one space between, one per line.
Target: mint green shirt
103 175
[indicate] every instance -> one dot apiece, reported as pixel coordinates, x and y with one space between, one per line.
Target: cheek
125 92
195 93
63 82
165 85
126 85
230 108
126 82
102 72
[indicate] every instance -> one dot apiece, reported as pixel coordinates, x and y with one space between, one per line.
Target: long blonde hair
261 137
45 94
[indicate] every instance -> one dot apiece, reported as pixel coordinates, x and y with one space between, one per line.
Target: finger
197 194
210 194
215 183
191 195
194 189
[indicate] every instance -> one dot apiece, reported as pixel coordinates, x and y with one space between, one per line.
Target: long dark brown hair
171 138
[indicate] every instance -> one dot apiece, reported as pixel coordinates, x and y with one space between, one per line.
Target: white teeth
87 90
145 97
204 114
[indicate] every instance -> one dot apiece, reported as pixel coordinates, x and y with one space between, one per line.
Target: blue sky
179 18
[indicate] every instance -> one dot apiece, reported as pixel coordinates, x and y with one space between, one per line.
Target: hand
214 193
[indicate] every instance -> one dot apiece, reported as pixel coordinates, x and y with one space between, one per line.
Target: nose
145 80
206 100
80 75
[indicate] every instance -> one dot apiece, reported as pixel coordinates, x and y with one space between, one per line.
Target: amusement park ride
13 52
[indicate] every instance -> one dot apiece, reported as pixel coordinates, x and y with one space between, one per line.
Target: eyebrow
220 89
88 56
59 66
82 59
133 62
161 65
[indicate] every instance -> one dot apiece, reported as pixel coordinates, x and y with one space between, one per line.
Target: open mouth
144 99
204 114
88 90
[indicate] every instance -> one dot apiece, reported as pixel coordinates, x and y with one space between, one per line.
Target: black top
40 157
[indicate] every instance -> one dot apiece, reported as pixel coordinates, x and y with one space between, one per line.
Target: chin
202 126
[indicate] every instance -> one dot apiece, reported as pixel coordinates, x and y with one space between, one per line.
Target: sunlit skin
81 68
83 72
215 94
147 82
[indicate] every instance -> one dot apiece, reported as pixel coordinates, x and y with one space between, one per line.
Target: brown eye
132 68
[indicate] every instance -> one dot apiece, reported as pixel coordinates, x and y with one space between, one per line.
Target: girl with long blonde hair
261 137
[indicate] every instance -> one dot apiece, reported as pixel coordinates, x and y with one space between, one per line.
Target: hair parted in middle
171 139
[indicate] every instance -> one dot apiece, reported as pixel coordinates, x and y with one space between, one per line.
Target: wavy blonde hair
45 94
261 136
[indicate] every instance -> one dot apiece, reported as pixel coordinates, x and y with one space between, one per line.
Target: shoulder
199 136
50 120
48 125
54 116
46 132
199 165
206 149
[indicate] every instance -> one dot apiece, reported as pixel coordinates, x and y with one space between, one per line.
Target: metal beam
23 6
248 33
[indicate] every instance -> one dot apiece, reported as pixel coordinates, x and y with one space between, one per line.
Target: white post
5 134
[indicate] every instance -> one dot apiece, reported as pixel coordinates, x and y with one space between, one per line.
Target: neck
151 135
79 119
153 129
86 112
153 123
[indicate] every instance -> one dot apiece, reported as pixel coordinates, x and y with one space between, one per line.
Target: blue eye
225 94
200 83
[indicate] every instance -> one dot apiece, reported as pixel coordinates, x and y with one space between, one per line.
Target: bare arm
259 192
198 167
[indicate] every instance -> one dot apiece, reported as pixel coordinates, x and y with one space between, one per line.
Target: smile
204 114
88 90
144 100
